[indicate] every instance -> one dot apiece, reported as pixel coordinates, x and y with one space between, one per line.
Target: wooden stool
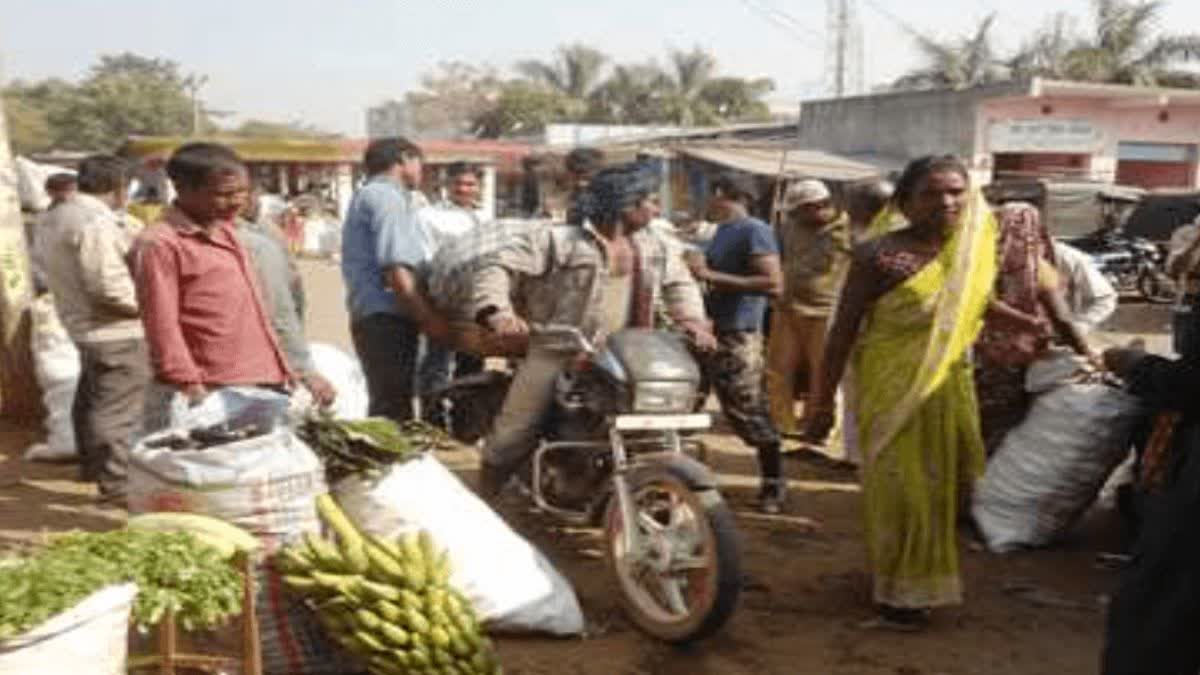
169 658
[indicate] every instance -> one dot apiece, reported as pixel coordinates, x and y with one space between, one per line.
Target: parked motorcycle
613 454
1131 264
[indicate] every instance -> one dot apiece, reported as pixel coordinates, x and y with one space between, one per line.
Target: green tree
574 73
690 73
452 97
631 95
736 99
1126 48
123 95
958 63
29 107
522 107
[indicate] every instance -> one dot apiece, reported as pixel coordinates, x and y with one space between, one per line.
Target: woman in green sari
912 306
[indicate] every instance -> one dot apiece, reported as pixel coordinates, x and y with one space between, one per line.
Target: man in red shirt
204 317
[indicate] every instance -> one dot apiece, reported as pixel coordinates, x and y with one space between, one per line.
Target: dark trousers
387 346
1154 615
107 410
439 365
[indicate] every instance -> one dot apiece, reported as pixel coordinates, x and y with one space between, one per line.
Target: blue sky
324 62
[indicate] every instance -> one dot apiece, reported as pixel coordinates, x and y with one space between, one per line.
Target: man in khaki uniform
815 241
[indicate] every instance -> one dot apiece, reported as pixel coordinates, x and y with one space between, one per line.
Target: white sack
512 586
91 637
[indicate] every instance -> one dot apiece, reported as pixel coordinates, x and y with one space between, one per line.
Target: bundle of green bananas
388 602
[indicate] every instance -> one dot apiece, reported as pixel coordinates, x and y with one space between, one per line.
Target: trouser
439 364
387 346
735 371
107 409
530 399
796 346
1182 326
1153 616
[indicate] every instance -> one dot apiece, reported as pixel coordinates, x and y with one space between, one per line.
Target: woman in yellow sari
912 306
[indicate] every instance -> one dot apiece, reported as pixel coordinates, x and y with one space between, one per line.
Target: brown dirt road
807 588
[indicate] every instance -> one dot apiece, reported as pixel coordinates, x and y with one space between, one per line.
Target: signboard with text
1044 135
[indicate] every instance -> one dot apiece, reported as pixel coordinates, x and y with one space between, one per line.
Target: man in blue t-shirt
741 267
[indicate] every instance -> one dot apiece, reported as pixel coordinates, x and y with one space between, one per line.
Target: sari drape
916 416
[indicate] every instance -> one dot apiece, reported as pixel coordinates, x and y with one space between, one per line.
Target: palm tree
690 72
574 72
631 95
1126 49
955 64
1046 53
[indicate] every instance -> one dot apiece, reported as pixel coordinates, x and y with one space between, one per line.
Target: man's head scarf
617 188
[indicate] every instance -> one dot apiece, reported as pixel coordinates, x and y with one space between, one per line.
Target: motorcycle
613 454
1131 264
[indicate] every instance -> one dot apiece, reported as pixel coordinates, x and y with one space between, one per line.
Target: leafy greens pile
172 571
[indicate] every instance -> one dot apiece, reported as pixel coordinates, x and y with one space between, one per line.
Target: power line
789 18
797 30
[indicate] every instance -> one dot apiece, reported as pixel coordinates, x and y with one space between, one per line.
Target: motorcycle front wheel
1154 288
682 581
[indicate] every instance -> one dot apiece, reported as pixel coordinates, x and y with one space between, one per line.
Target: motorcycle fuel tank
642 355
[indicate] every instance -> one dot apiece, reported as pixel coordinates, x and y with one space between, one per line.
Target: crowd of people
904 317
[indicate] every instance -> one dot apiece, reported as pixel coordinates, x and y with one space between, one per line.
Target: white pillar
487 196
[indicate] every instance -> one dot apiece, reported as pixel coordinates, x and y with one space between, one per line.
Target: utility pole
843 50
193 83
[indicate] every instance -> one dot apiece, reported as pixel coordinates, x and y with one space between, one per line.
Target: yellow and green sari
916 418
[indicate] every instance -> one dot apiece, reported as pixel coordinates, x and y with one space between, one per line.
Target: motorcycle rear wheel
1153 289
687 584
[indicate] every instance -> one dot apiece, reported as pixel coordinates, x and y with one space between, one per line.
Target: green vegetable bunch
173 570
367 447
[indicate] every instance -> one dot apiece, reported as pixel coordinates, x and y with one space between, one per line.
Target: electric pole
193 83
843 50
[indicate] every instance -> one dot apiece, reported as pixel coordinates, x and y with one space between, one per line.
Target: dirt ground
807 589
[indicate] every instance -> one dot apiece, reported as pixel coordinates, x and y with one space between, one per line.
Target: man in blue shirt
384 248
741 267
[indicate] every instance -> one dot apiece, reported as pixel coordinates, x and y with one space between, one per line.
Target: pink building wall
1116 120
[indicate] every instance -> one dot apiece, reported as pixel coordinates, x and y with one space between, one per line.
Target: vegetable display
173 570
368 446
388 602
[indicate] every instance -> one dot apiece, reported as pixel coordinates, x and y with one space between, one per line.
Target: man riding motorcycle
602 276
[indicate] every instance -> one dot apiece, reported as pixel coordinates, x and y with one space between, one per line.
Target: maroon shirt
204 317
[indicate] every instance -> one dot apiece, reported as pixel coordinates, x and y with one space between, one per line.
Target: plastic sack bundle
1051 467
56 367
91 637
345 373
510 583
265 484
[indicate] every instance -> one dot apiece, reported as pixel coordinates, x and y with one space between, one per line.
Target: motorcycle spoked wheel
1154 290
686 585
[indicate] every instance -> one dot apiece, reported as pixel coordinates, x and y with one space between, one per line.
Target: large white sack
345 373
56 368
1050 468
91 637
266 485
510 583
31 183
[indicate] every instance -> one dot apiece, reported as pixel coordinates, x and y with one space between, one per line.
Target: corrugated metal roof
797 163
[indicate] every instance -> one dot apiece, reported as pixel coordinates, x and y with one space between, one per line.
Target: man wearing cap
815 242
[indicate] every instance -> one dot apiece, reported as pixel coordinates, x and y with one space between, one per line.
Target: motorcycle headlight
664 397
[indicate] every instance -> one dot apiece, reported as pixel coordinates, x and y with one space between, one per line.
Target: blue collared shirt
382 230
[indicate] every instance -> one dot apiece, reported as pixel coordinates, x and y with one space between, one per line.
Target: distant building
393 118
1040 128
